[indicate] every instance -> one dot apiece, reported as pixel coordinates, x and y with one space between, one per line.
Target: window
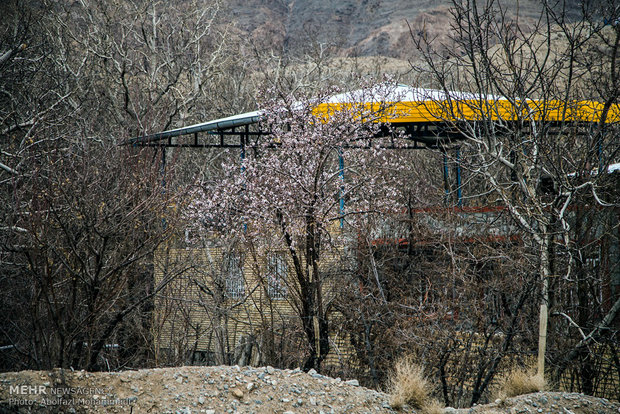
277 273
233 275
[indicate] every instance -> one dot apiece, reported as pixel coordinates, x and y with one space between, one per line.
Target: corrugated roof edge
247 118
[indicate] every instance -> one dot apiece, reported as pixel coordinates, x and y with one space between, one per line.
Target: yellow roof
405 104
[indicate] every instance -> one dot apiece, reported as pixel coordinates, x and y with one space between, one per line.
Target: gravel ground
223 389
187 390
546 402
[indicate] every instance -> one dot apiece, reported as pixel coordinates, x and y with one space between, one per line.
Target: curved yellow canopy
405 104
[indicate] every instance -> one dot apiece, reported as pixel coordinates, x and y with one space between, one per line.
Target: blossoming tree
288 190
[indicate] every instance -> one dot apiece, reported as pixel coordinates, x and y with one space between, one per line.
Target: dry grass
519 381
409 385
433 407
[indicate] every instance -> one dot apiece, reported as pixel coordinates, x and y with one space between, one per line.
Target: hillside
355 28
236 389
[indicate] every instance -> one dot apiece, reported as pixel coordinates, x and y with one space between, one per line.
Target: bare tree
450 299
82 217
534 142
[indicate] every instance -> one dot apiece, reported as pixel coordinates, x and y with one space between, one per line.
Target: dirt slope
213 390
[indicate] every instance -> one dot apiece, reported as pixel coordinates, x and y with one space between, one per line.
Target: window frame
277 276
234 277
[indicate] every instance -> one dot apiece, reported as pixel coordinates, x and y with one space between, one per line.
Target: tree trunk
544 269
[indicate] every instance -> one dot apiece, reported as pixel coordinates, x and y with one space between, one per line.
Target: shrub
408 385
520 381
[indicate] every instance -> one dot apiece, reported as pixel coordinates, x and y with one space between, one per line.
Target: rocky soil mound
235 389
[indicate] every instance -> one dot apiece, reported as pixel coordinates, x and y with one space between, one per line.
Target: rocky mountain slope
354 27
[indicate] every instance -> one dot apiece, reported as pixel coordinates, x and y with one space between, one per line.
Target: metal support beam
459 195
164 223
163 169
341 174
446 177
